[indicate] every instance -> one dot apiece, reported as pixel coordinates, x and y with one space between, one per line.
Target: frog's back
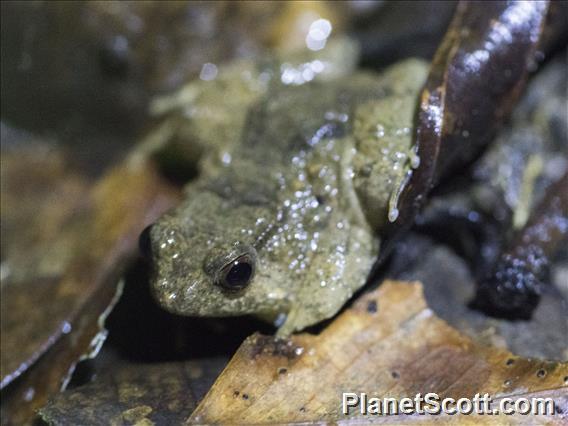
290 119
371 112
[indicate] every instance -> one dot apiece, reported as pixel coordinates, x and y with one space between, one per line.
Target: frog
284 218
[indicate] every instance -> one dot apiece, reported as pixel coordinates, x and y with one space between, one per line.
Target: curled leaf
477 74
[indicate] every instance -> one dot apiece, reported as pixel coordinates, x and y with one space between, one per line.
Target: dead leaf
65 313
475 80
389 344
449 284
40 194
163 393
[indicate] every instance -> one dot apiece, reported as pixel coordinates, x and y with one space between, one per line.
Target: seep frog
295 184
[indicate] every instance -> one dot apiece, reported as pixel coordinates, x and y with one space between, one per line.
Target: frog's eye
237 274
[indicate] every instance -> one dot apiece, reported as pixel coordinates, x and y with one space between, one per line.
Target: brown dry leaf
390 343
39 196
136 393
50 322
474 82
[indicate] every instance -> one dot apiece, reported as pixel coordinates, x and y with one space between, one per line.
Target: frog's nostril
144 242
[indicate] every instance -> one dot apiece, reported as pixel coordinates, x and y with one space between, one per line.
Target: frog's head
208 258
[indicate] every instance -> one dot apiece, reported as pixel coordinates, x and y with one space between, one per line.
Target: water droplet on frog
208 72
393 214
66 328
415 161
317 66
226 158
280 319
318 33
29 394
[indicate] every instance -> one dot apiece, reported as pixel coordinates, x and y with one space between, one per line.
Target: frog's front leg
303 315
385 155
312 309
334 274
292 323
320 296
402 180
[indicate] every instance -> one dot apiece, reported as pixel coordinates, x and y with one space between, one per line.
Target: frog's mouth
191 295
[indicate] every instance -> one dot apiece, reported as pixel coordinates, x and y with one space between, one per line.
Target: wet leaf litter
171 387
